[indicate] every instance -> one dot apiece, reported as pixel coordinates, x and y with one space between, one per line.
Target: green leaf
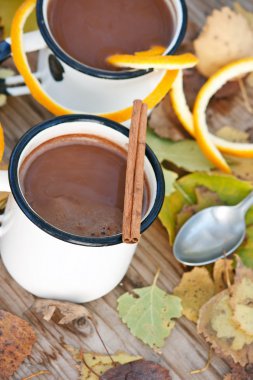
229 190
169 178
185 154
245 251
148 313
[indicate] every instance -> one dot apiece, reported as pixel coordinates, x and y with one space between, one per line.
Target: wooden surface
184 350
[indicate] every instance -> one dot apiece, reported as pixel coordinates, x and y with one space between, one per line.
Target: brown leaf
16 341
217 325
240 373
138 370
165 123
65 312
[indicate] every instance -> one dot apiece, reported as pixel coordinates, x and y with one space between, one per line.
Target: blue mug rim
55 232
99 73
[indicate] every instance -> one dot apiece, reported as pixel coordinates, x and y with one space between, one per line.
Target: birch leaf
149 313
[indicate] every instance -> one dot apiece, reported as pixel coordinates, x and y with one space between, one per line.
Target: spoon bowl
211 234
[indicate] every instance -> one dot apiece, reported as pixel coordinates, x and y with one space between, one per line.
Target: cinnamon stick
135 174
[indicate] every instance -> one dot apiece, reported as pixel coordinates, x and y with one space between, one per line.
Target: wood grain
184 350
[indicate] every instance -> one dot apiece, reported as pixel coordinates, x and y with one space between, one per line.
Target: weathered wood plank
184 350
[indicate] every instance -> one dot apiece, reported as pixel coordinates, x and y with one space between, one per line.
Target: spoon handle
246 203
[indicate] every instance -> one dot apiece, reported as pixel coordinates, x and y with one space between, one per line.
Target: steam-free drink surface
77 184
91 30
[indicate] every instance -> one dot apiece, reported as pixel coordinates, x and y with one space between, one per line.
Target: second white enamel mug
54 264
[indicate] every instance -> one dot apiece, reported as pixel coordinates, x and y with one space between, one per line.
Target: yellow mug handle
21 62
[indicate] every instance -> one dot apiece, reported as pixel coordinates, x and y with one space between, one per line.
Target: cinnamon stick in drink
135 174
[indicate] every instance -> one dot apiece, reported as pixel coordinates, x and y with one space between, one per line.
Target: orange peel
1 143
185 115
204 138
43 98
141 61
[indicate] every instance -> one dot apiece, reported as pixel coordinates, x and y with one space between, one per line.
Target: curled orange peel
141 61
1 143
204 138
197 126
48 102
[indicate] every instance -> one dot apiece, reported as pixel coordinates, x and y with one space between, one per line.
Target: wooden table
184 350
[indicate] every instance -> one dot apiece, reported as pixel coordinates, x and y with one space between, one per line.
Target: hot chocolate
91 30
76 183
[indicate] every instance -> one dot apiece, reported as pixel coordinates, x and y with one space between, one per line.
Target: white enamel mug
54 264
85 89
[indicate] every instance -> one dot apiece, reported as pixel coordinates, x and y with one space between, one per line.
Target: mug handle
32 41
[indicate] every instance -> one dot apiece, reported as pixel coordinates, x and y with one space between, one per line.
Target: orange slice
167 62
1 143
204 138
43 98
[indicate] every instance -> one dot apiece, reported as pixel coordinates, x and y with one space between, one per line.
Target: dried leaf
69 312
93 365
16 341
164 122
225 37
216 324
246 14
195 289
242 299
240 373
233 134
219 274
148 313
241 167
141 369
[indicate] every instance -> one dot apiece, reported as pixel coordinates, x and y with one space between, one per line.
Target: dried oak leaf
217 325
16 341
195 289
138 370
219 274
69 312
242 299
240 373
225 37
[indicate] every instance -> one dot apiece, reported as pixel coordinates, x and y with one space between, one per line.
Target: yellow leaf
242 299
195 289
219 274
